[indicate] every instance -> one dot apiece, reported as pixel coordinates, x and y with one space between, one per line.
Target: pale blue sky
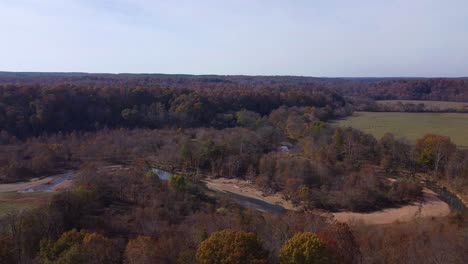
346 38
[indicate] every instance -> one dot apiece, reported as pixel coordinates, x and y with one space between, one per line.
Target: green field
411 125
429 104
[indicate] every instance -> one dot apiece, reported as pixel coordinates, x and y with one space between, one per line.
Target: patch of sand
53 181
431 206
244 188
18 186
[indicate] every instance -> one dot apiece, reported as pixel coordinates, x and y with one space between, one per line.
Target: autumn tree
296 126
79 247
54 251
456 171
434 151
231 246
141 250
304 248
394 153
99 249
246 118
341 241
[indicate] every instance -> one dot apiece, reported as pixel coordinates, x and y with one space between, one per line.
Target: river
247 199
260 203
451 199
162 174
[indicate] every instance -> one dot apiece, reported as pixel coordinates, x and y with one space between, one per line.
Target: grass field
411 125
14 201
429 104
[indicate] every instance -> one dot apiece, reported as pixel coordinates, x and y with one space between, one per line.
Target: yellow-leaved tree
233 247
304 248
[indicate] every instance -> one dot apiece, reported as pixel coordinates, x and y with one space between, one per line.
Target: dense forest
434 89
27 110
271 131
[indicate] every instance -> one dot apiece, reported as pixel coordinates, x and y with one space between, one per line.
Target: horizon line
227 75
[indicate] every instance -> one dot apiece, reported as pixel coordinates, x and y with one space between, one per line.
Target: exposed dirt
57 182
18 186
431 206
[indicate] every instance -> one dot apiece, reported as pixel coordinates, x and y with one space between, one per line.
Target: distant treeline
441 89
412 106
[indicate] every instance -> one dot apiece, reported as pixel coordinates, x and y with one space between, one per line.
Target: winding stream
452 200
245 201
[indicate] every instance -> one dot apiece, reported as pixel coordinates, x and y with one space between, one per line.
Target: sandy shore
18 186
50 183
431 206
57 182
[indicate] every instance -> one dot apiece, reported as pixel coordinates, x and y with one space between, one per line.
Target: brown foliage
231 246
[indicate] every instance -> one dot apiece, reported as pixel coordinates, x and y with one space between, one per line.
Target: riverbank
29 194
46 184
462 196
250 196
430 206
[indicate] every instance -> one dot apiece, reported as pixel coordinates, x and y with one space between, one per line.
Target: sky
326 38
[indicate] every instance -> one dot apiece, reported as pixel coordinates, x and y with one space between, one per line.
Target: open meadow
411 125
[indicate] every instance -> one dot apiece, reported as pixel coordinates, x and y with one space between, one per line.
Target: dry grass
14 201
411 126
